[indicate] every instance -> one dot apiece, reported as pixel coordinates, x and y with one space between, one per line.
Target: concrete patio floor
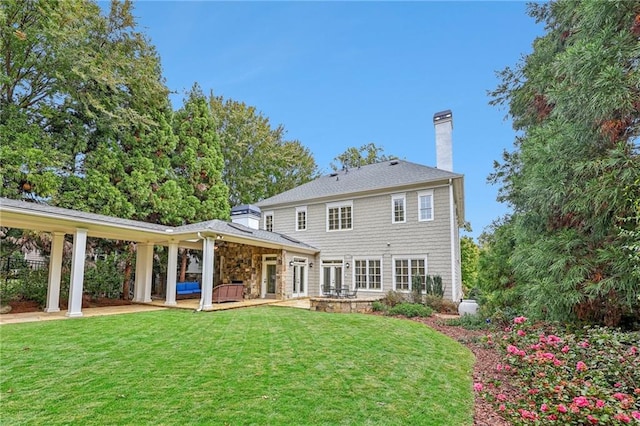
188 304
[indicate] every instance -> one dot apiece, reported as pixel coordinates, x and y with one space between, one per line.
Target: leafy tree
572 178
355 157
258 162
469 254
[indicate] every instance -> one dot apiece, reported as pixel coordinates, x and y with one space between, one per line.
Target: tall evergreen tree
573 176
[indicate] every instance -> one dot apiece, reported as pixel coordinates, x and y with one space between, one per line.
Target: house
373 228
377 226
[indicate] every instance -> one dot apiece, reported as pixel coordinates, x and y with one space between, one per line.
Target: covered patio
246 250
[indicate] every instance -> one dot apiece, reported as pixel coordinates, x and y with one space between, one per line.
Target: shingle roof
379 176
217 226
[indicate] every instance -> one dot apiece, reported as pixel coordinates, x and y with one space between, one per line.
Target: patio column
144 271
208 249
172 267
55 272
77 273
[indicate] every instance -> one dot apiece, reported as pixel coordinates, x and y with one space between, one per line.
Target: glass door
331 277
268 289
299 280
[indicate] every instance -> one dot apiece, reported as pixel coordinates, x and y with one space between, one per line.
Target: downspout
454 278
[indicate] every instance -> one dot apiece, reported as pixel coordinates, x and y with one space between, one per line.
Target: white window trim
338 205
433 213
353 274
306 218
409 258
395 197
264 220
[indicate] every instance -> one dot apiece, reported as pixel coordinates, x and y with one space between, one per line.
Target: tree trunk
183 265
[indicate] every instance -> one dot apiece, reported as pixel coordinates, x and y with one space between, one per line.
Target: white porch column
206 302
172 267
77 273
144 271
55 272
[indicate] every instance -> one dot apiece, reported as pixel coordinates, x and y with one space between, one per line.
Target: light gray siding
374 236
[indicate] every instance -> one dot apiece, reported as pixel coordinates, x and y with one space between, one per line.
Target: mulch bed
484 369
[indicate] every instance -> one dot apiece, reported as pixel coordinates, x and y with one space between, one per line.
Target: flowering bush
587 377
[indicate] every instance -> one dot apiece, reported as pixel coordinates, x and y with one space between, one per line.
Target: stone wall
326 304
241 262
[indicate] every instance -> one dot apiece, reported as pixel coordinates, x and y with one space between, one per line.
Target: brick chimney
443 122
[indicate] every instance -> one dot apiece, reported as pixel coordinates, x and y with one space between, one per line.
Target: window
339 216
398 208
406 270
425 205
301 218
368 274
268 221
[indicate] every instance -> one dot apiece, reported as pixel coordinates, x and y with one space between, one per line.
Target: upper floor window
398 211
339 216
425 205
301 218
268 221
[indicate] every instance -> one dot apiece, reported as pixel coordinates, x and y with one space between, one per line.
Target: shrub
105 278
411 310
586 376
34 285
470 322
438 304
378 306
416 288
392 298
437 289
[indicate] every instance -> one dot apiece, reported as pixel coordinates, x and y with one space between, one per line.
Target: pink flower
592 419
562 408
551 339
600 403
548 355
581 366
512 349
552 417
635 415
526 414
622 417
477 387
619 396
499 367
617 385
583 344
521 333
501 397
581 401
519 320
544 408
565 349
633 350
502 407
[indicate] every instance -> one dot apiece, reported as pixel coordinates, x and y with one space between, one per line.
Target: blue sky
342 74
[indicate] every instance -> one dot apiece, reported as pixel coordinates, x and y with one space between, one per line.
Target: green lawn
262 366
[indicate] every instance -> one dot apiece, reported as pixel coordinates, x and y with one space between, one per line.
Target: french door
331 276
299 280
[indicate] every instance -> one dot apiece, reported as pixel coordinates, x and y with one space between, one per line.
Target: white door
299 280
268 288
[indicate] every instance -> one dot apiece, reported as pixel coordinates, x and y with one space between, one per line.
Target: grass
260 366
